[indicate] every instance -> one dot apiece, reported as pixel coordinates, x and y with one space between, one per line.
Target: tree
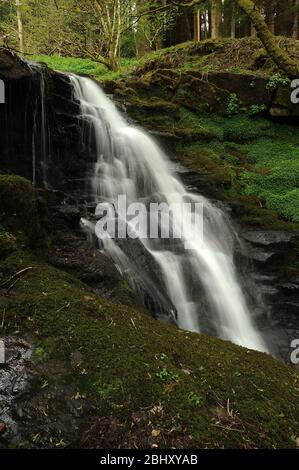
153 22
277 54
17 8
20 26
296 20
113 17
216 6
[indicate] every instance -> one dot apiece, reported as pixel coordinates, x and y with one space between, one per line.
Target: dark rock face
208 91
38 124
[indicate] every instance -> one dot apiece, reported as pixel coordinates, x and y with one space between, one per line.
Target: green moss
7 242
242 56
18 211
247 156
129 364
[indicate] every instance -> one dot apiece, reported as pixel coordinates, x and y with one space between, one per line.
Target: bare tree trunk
216 19
20 26
296 21
270 15
233 21
197 26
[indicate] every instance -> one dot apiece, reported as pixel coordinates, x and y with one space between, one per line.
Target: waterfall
200 281
40 134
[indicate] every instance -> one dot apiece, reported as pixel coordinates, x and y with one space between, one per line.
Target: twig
15 276
228 429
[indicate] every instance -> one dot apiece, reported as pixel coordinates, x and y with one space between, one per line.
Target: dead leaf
156 432
88 298
169 387
3 428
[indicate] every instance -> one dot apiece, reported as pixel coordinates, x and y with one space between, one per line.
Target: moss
245 156
280 57
240 56
208 164
129 364
18 210
7 242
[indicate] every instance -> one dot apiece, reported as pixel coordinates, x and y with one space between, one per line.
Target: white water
131 163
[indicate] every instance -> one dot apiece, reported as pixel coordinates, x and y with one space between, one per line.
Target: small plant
167 376
233 104
276 80
163 357
195 400
256 109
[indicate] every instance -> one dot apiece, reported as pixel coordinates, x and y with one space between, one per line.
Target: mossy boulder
7 242
172 387
18 207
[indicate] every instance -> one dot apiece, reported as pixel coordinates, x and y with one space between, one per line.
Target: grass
85 66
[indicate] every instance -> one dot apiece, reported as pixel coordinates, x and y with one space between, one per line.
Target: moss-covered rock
18 208
7 242
173 387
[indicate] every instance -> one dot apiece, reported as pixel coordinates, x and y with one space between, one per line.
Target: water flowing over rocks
71 386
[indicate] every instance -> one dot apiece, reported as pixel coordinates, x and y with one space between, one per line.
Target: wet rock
13 382
268 238
260 255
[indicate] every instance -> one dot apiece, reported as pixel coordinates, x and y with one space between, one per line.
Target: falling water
40 135
201 281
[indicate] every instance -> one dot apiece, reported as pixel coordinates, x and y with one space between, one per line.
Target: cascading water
40 135
201 282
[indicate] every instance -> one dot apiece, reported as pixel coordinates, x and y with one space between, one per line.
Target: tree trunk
233 21
270 15
197 26
216 19
296 21
20 26
278 55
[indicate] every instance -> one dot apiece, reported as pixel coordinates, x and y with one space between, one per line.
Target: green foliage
275 80
85 66
256 109
276 179
242 129
195 400
233 104
167 375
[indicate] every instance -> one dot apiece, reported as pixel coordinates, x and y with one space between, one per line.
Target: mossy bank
146 383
